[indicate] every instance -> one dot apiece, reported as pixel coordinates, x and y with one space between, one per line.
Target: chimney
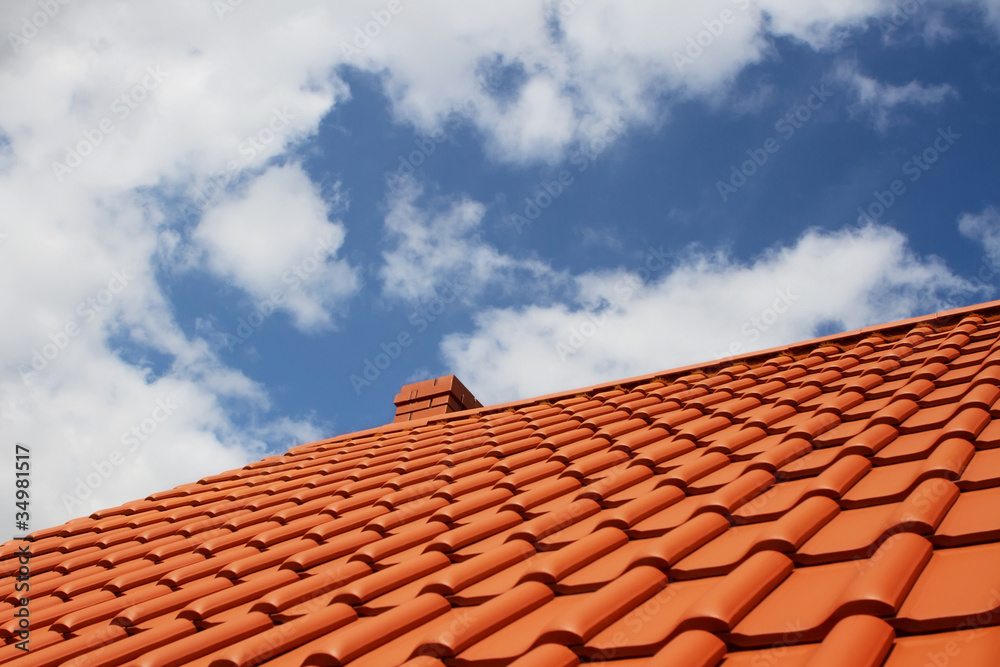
433 397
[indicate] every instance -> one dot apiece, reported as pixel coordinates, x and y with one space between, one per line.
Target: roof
830 503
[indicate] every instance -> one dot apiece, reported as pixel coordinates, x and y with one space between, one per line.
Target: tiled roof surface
835 503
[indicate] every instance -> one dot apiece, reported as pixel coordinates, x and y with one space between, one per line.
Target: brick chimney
433 397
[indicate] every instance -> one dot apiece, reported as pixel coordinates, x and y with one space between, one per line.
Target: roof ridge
936 321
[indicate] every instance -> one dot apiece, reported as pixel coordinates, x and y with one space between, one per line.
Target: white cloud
94 350
936 28
704 307
584 64
984 228
441 244
134 101
820 23
102 431
274 241
604 61
880 101
991 9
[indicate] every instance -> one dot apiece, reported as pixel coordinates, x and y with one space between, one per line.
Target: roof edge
937 317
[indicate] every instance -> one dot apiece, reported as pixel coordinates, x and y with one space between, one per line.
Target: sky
228 227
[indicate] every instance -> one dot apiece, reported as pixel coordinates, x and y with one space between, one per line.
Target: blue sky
228 228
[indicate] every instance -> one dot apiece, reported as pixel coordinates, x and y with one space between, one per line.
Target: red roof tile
829 503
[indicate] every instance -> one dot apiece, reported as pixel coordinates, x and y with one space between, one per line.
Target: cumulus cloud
112 113
568 68
880 102
274 241
440 242
97 378
984 228
820 24
582 64
662 314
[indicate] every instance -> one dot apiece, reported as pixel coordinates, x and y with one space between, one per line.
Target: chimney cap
431 398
